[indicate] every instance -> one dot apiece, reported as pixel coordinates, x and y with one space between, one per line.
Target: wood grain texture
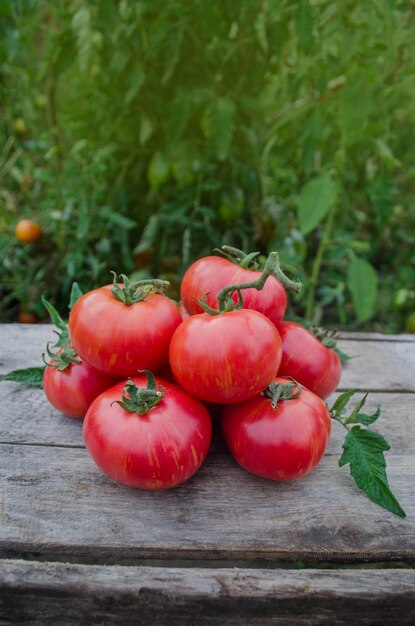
43 593
26 417
55 502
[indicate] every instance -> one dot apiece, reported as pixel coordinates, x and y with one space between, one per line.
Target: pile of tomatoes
149 376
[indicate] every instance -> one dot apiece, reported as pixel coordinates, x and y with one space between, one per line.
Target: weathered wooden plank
27 417
61 593
55 502
362 336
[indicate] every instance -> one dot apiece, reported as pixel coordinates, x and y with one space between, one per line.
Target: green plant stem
317 264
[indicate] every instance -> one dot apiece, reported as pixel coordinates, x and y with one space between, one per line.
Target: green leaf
260 27
146 129
158 170
304 24
365 419
54 315
150 233
356 105
363 450
316 198
362 281
76 293
218 126
117 218
342 355
31 376
341 402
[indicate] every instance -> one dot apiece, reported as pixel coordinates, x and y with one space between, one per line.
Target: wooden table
226 547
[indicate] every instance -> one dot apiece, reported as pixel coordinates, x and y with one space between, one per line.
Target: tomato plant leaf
315 200
31 376
341 402
54 315
362 281
76 293
365 419
364 451
342 355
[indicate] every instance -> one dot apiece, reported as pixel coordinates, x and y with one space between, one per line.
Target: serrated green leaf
54 315
31 376
362 281
363 450
341 402
316 198
76 293
359 405
365 419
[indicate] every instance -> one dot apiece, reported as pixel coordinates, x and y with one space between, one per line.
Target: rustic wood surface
55 505
154 595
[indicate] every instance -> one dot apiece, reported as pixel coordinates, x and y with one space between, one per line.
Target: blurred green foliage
141 135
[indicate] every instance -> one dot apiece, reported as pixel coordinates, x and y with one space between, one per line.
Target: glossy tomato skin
73 390
279 444
225 358
121 339
210 274
155 451
307 360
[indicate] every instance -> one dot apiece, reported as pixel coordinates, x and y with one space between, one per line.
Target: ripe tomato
306 359
119 338
27 231
156 450
26 317
282 443
210 274
72 390
225 358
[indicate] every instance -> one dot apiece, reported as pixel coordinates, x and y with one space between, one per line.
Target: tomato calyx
141 400
271 268
136 291
62 359
277 392
327 337
239 257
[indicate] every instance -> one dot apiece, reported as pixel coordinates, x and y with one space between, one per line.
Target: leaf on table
31 376
364 451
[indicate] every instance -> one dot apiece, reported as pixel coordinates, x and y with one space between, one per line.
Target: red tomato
120 339
27 231
225 358
73 389
307 360
183 312
25 317
158 450
282 443
210 274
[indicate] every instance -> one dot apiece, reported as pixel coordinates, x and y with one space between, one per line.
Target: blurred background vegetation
141 135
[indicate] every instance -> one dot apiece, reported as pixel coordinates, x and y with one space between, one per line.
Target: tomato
72 390
155 450
25 317
120 338
183 312
282 443
225 358
306 359
210 274
27 231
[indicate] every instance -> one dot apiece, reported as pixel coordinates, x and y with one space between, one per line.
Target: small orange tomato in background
25 317
27 231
